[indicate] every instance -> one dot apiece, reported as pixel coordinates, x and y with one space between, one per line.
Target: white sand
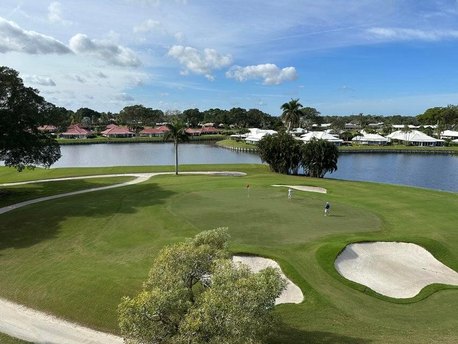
394 269
292 293
303 188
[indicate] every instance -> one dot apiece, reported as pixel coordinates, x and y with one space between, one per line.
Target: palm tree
176 133
291 113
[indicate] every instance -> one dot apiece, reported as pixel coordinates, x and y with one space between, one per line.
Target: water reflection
429 171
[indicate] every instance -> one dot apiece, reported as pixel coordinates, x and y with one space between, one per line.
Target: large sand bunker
292 293
394 269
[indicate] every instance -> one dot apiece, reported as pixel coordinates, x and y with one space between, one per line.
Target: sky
342 57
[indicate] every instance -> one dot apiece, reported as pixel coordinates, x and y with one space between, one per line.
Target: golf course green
75 257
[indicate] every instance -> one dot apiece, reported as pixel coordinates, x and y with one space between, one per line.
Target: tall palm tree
177 134
291 113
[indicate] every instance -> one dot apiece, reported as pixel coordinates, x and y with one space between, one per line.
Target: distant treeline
139 116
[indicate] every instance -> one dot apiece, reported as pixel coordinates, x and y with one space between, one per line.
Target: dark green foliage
319 157
139 116
281 151
286 155
22 111
446 117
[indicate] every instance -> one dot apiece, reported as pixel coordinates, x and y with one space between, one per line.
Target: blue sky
340 56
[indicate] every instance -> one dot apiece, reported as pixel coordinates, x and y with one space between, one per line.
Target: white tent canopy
321 135
414 137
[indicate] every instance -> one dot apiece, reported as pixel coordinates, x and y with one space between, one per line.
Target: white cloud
147 26
39 80
199 62
14 38
124 97
269 73
411 34
109 52
55 13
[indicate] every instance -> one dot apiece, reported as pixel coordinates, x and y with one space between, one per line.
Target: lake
435 171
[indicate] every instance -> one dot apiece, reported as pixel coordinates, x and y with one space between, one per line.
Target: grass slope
5 339
76 257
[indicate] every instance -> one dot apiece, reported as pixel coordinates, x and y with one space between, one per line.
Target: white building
257 134
370 139
449 134
321 135
415 137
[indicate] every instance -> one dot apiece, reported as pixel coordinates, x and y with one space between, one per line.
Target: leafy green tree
319 157
193 117
177 134
281 151
291 113
194 294
338 125
22 111
310 116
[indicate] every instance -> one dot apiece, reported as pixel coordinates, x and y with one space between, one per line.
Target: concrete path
38 327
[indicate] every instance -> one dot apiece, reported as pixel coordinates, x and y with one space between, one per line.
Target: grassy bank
76 257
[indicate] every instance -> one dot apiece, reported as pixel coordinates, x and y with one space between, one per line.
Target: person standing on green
326 209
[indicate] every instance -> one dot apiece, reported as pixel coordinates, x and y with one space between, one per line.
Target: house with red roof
152 132
209 131
76 132
193 132
115 131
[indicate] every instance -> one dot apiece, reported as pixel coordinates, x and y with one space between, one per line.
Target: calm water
429 171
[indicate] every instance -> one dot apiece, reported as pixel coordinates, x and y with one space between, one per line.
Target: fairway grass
76 257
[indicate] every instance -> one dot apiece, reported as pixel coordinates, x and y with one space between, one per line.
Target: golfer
290 193
326 209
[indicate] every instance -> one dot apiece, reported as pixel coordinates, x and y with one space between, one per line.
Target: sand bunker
303 188
292 293
394 269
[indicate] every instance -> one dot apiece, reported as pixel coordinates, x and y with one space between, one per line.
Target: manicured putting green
249 213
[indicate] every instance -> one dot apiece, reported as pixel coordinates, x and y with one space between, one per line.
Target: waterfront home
209 131
257 134
370 139
321 135
76 132
153 132
115 131
193 132
415 138
449 134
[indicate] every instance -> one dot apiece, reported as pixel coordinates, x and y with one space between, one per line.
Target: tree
291 113
310 116
176 133
194 294
281 151
319 157
193 117
22 111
